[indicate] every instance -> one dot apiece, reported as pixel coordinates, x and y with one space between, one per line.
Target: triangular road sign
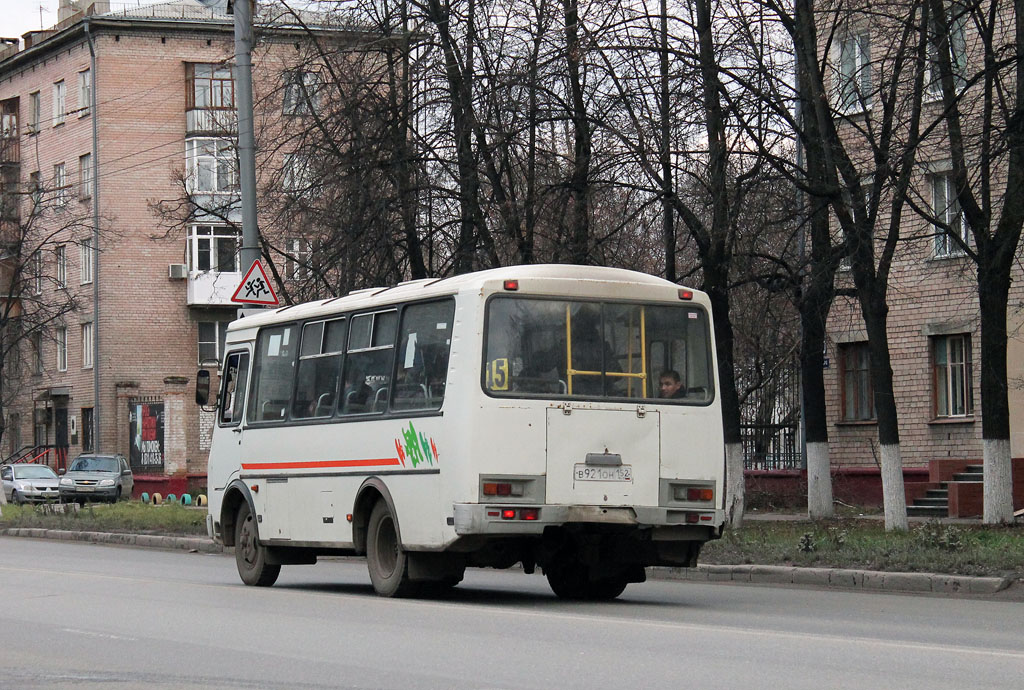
255 287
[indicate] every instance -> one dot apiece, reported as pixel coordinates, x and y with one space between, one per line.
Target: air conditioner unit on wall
177 271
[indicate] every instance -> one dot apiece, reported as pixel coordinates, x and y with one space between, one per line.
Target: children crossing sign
255 288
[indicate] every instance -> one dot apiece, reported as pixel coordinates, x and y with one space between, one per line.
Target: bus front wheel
385 559
250 555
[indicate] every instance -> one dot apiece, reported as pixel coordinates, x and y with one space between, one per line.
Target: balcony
212 288
211 121
10 151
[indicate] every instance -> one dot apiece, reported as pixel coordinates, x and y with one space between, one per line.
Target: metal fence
770 422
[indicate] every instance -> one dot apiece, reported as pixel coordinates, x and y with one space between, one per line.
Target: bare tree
982 92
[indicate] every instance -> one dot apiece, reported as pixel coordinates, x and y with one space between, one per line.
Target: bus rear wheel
385 559
250 555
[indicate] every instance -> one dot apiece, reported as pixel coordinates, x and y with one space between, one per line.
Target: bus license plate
590 473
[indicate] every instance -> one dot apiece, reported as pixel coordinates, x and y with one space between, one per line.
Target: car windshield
34 472
93 464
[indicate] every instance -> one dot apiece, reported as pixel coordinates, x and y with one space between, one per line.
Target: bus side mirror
202 387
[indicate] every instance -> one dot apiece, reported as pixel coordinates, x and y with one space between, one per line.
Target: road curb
838 578
935 583
157 541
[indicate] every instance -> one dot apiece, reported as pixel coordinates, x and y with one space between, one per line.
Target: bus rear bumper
485 519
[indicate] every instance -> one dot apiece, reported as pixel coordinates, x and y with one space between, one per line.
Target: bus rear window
580 349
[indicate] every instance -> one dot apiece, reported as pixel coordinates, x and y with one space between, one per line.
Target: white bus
558 416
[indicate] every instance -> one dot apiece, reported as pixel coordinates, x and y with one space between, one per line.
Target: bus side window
273 377
368 363
421 369
236 375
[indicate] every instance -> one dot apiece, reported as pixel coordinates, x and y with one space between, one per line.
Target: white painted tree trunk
819 481
893 497
998 483
734 485
3 500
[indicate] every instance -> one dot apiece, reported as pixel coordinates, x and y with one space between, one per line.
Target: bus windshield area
536 347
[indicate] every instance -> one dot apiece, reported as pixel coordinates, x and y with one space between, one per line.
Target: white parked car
29 483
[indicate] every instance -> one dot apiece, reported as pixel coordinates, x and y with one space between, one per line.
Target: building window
87 346
35 188
954 389
301 92
37 272
59 105
212 165
950 223
34 111
84 92
36 343
858 400
210 87
62 265
62 349
87 429
854 77
214 248
955 43
85 176
60 183
299 253
211 340
297 177
87 260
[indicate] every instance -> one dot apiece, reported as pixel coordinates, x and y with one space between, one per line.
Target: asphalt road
87 616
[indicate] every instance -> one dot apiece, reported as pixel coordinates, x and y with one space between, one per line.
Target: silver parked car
97 478
24 483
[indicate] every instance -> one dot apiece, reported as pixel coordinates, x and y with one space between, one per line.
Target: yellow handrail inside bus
630 375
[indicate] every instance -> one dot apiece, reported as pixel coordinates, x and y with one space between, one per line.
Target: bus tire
606 589
568 580
250 555
385 559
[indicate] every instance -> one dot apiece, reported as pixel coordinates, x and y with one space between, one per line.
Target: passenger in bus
357 391
670 385
590 352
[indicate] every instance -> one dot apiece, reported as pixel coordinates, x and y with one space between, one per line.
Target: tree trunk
579 182
993 293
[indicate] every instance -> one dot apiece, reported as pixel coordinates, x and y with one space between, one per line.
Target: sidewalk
832 578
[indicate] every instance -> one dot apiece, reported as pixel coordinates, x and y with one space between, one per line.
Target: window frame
85 176
946 375
86 257
944 244
216 233
60 183
84 92
37 272
61 260
220 329
220 164
241 397
213 75
35 116
61 338
60 106
862 372
87 344
301 92
853 89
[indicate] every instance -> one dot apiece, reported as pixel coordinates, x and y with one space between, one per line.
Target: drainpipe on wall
94 83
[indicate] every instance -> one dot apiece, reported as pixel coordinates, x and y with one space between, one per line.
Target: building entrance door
60 427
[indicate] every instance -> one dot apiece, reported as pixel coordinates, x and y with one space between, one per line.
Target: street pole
243 11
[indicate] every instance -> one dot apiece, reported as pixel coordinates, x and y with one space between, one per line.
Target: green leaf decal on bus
417 447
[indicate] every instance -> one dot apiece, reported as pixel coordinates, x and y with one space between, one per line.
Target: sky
19 16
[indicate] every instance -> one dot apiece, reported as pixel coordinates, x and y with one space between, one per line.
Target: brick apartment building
162 85
933 323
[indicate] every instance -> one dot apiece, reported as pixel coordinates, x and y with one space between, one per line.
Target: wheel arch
372 490
235 495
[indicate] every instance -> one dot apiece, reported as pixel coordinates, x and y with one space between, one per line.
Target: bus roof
538 279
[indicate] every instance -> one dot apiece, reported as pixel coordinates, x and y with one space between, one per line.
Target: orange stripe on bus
315 464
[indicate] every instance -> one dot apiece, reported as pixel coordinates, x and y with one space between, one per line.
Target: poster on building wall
147 431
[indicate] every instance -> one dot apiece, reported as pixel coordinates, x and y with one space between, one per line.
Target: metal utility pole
244 11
